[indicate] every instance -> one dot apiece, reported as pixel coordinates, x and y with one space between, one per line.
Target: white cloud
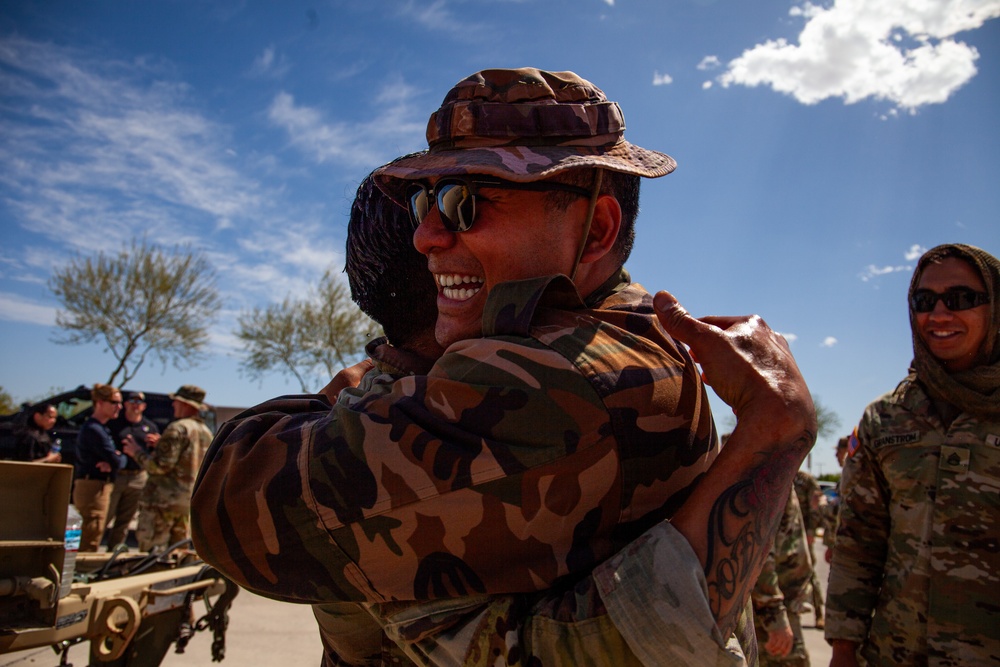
270 64
609 3
903 52
873 271
709 62
17 309
706 85
914 253
829 341
436 16
790 337
662 79
325 139
86 147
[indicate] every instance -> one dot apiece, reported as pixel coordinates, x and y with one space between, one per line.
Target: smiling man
914 571
561 422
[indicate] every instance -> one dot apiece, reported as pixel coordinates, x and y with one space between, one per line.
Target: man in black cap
131 479
165 505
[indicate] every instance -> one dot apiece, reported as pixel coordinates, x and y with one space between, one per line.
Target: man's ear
604 229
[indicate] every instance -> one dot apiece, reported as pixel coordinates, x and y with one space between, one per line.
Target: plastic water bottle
74 524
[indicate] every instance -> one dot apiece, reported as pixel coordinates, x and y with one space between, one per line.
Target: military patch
853 443
954 459
897 439
993 440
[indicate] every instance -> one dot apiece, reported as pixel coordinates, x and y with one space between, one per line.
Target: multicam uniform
813 503
165 505
918 539
783 586
548 445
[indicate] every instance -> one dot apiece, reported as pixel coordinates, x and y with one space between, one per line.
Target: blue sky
820 149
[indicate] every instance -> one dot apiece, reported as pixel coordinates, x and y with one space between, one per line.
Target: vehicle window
73 410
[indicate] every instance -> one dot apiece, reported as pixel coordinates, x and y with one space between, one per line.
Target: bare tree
143 300
310 339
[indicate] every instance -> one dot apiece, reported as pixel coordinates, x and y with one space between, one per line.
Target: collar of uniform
615 283
511 306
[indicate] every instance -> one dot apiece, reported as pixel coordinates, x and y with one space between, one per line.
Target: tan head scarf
976 390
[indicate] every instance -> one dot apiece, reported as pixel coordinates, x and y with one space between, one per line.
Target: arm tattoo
741 527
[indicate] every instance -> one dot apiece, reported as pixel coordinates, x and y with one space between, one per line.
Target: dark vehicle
73 408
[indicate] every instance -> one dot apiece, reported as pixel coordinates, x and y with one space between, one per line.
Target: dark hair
37 409
621 186
389 279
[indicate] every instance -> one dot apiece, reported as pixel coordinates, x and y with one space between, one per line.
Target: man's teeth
470 286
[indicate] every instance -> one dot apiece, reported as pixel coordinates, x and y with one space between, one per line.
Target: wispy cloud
662 79
790 337
17 309
872 271
104 145
911 254
829 341
270 64
437 16
709 62
326 139
904 52
97 151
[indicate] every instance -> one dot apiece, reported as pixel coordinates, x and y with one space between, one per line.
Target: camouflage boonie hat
523 125
192 395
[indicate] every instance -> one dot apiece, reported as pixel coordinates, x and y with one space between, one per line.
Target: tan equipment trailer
130 607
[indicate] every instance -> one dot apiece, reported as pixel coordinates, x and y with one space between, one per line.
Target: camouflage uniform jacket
562 627
916 570
809 494
528 455
174 463
784 583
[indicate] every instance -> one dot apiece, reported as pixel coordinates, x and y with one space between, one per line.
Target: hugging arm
732 515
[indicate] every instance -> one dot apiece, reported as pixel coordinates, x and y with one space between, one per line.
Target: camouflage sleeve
163 460
858 565
406 494
768 600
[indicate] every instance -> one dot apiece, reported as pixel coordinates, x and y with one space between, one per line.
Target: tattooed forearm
741 526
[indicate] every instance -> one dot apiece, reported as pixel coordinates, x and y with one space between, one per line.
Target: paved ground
273 634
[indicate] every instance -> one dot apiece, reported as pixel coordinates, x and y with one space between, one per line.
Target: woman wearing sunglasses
915 569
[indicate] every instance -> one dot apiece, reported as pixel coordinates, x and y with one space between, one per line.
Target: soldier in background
131 479
165 505
782 591
832 519
811 500
914 574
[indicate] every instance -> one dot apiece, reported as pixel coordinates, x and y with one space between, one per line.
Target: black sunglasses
456 197
956 298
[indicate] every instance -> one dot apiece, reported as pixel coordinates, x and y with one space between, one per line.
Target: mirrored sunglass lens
418 204
455 205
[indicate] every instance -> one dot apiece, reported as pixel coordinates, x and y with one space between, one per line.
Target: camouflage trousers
162 526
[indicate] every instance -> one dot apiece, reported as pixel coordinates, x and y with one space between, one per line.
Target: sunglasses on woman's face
455 197
956 298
